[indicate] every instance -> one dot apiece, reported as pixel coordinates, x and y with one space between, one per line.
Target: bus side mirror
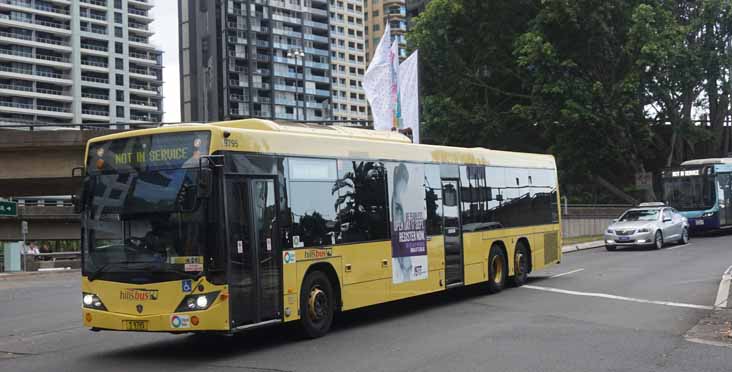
205 179
77 199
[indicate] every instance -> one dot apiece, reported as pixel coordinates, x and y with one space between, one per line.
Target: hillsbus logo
134 294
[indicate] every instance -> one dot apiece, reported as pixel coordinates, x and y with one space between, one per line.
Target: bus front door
453 233
254 258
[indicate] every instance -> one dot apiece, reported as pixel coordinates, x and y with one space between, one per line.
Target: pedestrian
45 249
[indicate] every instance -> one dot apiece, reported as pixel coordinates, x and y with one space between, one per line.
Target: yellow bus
229 226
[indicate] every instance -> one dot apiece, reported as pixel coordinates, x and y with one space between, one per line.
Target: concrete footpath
582 246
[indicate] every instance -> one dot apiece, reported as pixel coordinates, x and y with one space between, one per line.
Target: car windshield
689 193
640 215
148 221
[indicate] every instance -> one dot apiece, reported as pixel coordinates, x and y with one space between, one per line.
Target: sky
165 26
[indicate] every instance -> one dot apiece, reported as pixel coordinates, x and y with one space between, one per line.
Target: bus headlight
196 302
92 301
707 214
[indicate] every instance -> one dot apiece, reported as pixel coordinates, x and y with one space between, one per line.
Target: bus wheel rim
317 304
497 265
520 264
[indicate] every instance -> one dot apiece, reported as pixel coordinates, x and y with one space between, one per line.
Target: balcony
47 74
98 96
94 112
94 47
24 88
95 2
14 35
41 7
31 106
89 62
93 79
43 57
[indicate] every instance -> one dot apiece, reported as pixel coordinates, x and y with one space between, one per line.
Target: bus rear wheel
521 265
496 270
317 304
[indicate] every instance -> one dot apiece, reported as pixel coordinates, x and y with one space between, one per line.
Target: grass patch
582 239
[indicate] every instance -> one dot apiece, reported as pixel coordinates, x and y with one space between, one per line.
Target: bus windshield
140 207
689 193
145 221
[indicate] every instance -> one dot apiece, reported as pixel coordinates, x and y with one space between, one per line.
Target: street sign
8 208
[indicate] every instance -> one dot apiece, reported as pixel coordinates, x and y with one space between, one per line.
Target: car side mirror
80 186
666 220
616 219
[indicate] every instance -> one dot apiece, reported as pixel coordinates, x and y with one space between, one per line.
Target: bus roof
314 140
707 161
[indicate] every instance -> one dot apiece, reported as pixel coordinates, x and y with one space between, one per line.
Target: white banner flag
396 102
377 83
409 94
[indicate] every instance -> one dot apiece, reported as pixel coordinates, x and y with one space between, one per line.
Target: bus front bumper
211 320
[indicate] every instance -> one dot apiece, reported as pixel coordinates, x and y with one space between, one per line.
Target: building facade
255 58
78 61
414 8
378 14
348 59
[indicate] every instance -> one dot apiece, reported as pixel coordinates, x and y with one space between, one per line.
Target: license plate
135 325
623 239
699 222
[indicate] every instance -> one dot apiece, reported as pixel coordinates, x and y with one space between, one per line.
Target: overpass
37 160
47 218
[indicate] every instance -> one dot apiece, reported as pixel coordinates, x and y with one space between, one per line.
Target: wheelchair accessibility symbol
187 285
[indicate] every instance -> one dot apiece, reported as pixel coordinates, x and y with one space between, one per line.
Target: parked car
651 225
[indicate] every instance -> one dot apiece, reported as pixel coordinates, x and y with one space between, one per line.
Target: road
614 311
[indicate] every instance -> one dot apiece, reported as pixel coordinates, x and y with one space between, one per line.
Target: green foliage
611 87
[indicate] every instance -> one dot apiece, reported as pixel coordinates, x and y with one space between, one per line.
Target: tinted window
473 196
433 199
361 204
520 197
312 202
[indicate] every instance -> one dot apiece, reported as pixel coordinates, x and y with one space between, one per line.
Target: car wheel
684 236
610 247
317 305
658 240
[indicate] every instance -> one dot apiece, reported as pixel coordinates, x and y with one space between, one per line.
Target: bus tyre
658 240
317 304
496 270
520 265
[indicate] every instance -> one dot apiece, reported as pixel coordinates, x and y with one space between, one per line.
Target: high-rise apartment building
414 8
348 59
378 14
78 61
255 58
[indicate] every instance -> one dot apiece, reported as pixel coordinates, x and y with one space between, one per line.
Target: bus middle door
254 265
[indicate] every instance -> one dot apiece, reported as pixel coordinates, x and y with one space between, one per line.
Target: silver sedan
647 226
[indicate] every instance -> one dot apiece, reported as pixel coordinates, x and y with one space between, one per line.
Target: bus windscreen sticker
408 230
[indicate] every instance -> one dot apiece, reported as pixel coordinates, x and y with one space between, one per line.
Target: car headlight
196 302
644 230
610 231
92 301
707 214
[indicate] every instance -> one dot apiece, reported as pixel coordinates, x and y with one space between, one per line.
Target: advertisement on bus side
408 230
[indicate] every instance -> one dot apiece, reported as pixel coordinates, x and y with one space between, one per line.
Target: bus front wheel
316 304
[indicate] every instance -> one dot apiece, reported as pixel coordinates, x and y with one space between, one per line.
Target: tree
584 89
469 76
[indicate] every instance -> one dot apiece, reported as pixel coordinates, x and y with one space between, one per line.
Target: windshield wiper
94 274
181 272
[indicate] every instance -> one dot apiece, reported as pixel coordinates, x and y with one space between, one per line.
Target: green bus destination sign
8 208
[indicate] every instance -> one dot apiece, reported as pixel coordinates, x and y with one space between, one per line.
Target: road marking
679 246
567 273
707 342
723 291
621 298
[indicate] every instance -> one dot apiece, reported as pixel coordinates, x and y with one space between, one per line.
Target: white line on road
567 273
622 298
723 291
678 246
